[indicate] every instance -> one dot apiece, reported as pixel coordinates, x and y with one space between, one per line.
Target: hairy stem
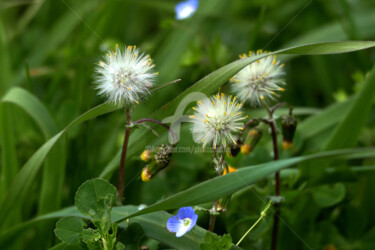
211 224
121 179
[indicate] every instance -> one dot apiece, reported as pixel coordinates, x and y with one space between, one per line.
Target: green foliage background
50 48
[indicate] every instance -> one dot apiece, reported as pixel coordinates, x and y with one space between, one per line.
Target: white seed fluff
259 80
217 121
125 76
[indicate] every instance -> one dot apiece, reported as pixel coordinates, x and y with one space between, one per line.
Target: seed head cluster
259 80
217 120
125 75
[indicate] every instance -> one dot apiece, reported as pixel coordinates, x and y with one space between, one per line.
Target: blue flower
183 222
186 9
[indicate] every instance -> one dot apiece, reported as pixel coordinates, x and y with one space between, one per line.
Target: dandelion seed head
260 80
125 75
217 121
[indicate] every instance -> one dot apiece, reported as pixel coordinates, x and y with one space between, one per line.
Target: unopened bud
289 124
146 155
160 160
146 176
230 170
234 148
245 149
163 154
251 140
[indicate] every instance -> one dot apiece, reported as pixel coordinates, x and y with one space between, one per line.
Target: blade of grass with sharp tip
53 171
26 176
221 186
345 135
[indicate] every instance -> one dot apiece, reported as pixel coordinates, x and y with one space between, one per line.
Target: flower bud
160 160
230 170
146 155
146 176
251 140
163 155
234 148
289 124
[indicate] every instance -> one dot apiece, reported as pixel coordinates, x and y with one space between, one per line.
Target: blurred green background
50 48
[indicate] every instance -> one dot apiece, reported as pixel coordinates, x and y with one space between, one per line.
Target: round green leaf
69 230
329 195
95 197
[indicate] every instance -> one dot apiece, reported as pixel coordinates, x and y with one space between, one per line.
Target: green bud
289 124
160 160
251 140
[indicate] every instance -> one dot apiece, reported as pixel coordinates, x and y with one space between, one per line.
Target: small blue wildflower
183 222
186 9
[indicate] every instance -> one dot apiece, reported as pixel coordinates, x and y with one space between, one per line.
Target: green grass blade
345 135
54 169
325 119
26 176
224 185
31 105
9 163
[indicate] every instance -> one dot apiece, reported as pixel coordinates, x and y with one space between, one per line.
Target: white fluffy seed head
217 121
259 80
125 75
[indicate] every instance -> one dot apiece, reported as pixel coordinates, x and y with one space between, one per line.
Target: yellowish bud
287 145
145 176
146 155
231 170
245 149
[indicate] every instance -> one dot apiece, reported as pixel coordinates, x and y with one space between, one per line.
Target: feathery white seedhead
259 80
217 120
125 75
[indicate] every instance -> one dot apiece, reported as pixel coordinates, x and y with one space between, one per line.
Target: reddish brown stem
173 134
121 178
211 224
276 215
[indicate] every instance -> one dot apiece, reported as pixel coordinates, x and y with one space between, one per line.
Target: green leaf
71 230
215 242
218 187
132 236
26 176
327 196
211 83
54 170
153 224
345 135
324 120
95 198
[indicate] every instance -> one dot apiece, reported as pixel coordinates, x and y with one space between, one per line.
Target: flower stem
123 157
173 134
276 215
262 214
211 224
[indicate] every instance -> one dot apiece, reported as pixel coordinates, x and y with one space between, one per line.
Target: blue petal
173 224
185 212
193 222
